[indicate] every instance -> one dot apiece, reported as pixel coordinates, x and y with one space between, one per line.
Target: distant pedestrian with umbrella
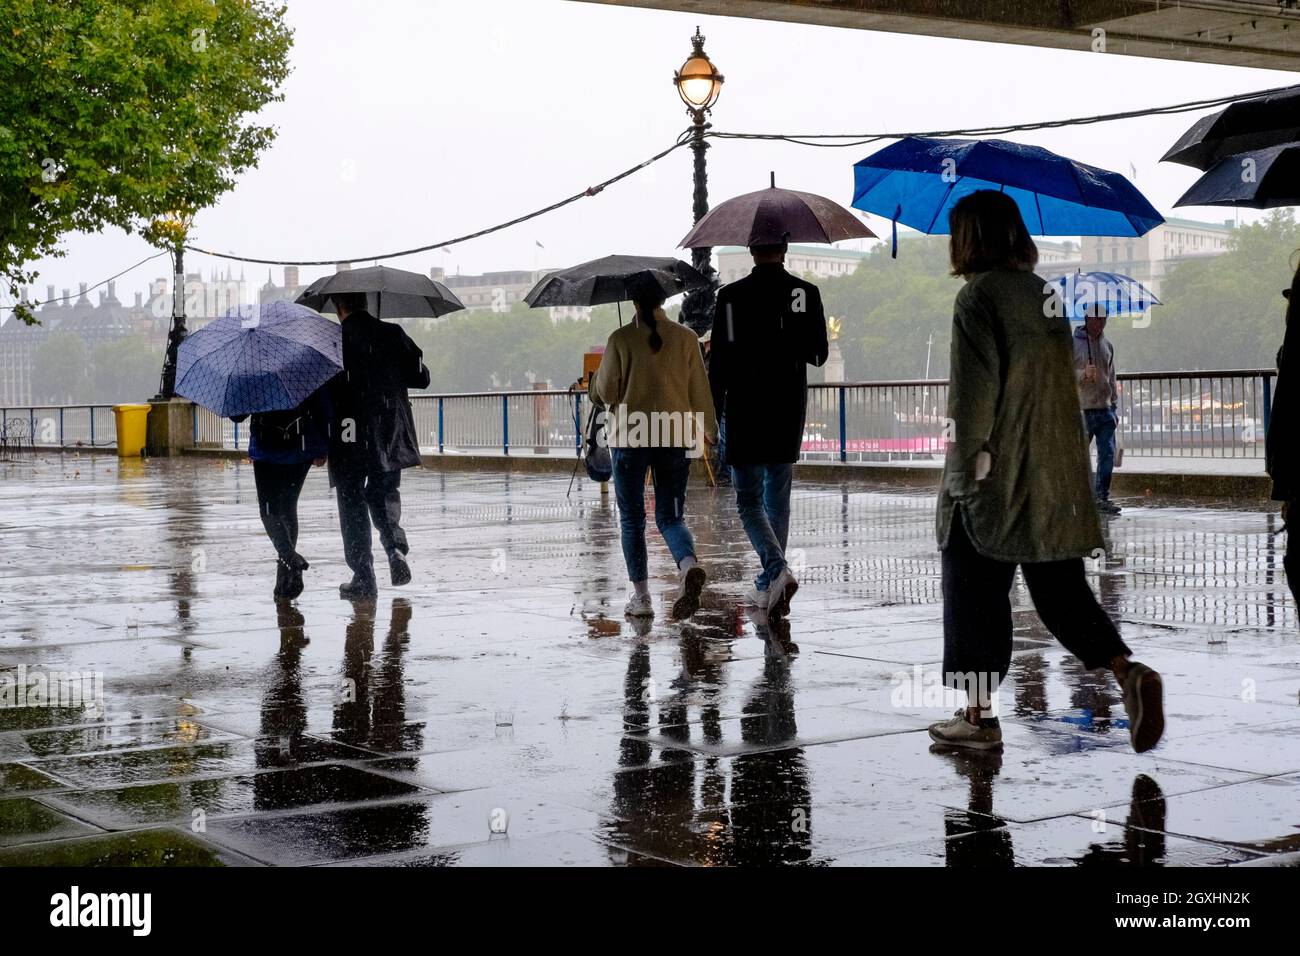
1014 490
768 327
652 371
271 362
1094 363
374 433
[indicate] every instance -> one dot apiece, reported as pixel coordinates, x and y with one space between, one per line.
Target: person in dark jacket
1015 482
373 440
1282 441
283 446
767 329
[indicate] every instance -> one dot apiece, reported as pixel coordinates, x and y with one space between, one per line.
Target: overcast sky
410 121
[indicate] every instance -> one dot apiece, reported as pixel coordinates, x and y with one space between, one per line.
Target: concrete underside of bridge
1254 33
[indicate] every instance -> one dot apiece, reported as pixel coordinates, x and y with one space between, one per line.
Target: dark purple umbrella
772 216
1258 123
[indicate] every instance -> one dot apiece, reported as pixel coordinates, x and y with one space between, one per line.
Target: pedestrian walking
1014 489
1094 363
658 417
283 446
1282 441
768 327
373 439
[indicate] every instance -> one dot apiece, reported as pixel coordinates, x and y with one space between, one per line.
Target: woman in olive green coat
1015 481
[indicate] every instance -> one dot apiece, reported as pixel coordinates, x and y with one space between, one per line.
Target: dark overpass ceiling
1254 33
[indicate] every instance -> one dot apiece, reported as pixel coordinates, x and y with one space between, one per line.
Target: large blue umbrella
1119 294
259 359
917 180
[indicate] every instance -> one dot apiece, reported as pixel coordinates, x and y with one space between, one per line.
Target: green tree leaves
114 112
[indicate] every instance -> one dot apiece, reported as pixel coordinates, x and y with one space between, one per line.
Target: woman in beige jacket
658 412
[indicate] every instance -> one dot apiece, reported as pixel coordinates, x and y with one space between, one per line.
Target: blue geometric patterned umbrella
261 358
1120 294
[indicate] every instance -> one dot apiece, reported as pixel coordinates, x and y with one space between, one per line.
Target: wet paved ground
504 688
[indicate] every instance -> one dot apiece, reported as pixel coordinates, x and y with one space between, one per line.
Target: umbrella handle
893 232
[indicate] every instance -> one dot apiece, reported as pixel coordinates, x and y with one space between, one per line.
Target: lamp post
170 231
698 83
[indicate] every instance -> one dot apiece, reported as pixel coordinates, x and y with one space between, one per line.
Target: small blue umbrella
260 358
1119 294
918 180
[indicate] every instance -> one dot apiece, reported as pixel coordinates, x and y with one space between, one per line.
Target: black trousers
1291 565
278 487
365 498
977 612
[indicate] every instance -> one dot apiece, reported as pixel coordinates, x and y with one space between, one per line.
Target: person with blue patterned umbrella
270 361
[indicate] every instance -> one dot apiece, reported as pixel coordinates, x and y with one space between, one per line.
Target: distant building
817 262
499 291
1150 258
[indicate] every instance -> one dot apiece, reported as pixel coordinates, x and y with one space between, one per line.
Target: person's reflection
771 800
371 709
280 741
975 837
1143 831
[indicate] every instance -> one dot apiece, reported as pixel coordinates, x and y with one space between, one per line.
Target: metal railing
1204 414
58 426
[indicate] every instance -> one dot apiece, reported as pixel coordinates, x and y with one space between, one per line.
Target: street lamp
698 83
169 231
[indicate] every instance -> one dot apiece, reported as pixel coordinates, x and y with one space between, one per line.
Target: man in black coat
1282 442
767 329
373 440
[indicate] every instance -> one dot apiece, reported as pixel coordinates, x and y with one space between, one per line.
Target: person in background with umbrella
283 446
1014 489
653 366
768 327
373 440
1282 442
1094 362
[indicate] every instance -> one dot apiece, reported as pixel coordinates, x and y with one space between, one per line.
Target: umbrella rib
951 186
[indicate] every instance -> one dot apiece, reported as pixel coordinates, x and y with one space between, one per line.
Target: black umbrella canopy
1269 120
390 293
1260 179
771 216
613 279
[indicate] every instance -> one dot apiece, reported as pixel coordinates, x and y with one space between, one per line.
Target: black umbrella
1269 120
1260 179
390 293
772 216
613 279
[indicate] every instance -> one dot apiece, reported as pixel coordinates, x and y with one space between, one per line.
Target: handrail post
92 426
197 412
577 422
1268 400
60 426
236 436
31 426
440 432
843 419
505 424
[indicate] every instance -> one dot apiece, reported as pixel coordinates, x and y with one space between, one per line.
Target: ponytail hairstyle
647 296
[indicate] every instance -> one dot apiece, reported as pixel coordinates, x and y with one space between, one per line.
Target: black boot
361 587
293 583
398 569
281 579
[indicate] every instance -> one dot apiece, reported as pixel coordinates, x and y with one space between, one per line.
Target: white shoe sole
689 602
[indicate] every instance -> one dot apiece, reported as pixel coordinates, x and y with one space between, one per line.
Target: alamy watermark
622 428
21 687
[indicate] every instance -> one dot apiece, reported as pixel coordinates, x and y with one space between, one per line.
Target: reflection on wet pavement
500 711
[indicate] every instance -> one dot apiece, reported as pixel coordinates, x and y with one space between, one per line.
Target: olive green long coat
1013 393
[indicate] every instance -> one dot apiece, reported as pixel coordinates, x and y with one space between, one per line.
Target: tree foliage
118 112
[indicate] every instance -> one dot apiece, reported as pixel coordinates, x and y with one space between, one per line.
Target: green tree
61 370
1221 312
117 112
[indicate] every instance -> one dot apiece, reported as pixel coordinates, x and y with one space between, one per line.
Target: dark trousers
1291 565
977 612
363 499
1100 425
278 487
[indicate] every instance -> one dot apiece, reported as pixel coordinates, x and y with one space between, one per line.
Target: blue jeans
1100 425
670 468
763 500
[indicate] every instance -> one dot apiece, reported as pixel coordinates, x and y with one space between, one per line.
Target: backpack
595 450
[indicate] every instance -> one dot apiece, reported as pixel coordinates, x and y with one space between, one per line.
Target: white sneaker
638 605
779 593
756 598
